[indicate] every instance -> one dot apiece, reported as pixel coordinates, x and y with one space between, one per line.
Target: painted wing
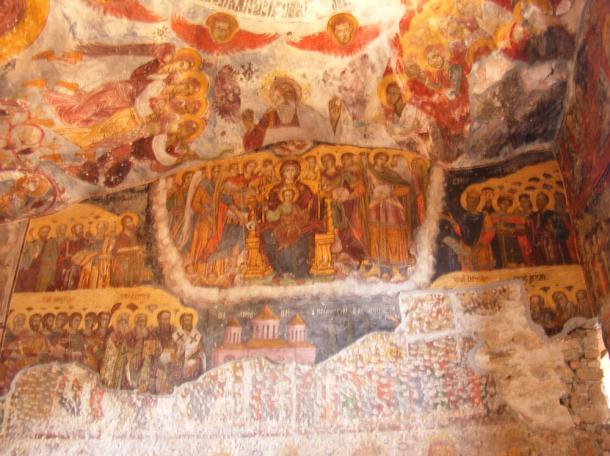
323 42
405 22
199 36
403 27
244 40
127 9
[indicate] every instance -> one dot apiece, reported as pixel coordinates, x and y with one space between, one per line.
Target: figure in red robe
87 108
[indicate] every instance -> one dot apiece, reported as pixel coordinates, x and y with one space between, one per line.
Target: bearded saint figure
189 344
116 355
288 119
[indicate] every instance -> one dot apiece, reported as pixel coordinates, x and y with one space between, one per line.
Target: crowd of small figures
424 315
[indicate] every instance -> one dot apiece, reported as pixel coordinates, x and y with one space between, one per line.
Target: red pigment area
12 13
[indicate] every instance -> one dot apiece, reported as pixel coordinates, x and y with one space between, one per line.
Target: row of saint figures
357 218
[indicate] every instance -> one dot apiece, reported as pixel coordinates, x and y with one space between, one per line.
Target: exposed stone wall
587 403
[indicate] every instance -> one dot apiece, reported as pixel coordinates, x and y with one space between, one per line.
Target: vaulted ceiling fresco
304 219
100 95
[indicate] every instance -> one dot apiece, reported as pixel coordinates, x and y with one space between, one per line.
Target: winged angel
220 34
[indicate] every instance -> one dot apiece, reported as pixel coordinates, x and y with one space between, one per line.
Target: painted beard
286 112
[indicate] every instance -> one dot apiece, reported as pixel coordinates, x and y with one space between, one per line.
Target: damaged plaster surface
446 371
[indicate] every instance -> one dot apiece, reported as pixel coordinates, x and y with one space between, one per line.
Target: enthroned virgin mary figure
291 219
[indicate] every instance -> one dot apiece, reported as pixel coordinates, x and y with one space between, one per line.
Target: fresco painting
146 347
261 226
439 44
379 377
101 134
593 228
556 293
144 339
90 114
20 25
88 246
584 140
329 212
511 220
88 289
11 240
503 219
583 151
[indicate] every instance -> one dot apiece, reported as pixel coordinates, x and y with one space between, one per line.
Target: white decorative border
202 297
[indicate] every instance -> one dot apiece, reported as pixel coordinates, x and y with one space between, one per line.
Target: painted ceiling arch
212 182
99 96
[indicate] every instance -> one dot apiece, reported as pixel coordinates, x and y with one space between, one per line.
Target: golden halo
135 217
33 232
439 47
115 317
544 6
203 81
338 19
505 196
176 317
418 160
223 17
274 77
188 54
401 81
294 190
188 118
135 313
14 317
519 182
26 31
203 104
110 223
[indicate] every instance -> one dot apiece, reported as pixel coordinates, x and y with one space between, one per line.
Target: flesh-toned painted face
472 201
560 298
328 161
44 232
164 319
221 31
186 322
525 202
381 160
290 172
393 94
435 60
541 201
344 32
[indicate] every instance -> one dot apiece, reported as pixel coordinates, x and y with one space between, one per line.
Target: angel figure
220 35
342 37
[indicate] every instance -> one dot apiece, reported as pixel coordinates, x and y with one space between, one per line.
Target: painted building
266 341
425 182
